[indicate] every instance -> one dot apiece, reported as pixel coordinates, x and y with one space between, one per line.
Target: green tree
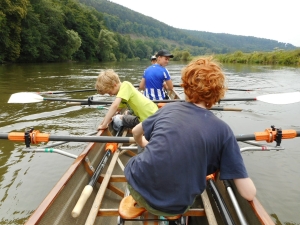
73 43
106 45
11 15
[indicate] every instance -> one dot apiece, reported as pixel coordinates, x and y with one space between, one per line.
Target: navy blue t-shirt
186 143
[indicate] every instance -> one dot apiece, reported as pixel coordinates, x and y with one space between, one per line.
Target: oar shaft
227 219
92 139
4 136
231 89
238 99
64 142
235 203
221 108
36 137
218 108
245 137
62 92
92 102
64 100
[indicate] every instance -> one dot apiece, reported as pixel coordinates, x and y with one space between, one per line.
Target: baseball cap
153 57
164 52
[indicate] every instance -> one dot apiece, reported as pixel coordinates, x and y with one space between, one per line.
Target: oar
135 85
35 137
222 207
217 108
64 142
63 92
235 203
231 89
282 98
87 191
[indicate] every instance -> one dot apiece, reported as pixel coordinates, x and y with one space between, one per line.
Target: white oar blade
283 98
25 97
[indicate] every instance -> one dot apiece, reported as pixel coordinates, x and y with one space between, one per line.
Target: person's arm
138 135
246 188
111 112
169 85
142 84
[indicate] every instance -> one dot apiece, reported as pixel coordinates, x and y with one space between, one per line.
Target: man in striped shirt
156 77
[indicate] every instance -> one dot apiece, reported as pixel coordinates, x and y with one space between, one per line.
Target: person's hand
102 126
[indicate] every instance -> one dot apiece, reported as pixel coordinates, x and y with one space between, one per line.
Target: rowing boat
102 206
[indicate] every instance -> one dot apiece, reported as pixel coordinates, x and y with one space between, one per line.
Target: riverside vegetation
89 30
276 57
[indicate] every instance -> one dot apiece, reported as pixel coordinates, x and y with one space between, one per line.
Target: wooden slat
108 212
113 178
195 212
208 209
116 190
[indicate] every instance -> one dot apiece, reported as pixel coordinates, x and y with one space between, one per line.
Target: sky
275 20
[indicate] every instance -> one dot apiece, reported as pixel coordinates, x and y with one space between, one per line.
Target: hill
126 21
80 30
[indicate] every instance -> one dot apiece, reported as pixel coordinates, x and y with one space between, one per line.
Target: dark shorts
143 203
130 121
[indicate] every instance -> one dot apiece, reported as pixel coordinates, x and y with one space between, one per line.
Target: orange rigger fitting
35 136
210 176
269 135
111 146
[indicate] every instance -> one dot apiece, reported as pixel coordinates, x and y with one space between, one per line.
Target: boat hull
59 203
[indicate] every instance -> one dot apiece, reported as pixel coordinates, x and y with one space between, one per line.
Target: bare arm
142 84
111 112
169 85
138 134
246 188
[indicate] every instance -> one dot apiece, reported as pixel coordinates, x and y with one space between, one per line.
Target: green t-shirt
141 106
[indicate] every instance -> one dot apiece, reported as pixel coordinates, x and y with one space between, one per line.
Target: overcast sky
275 20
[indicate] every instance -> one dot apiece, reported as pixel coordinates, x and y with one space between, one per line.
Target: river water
27 177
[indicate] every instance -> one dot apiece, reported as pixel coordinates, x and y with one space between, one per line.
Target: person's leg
117 122
130 121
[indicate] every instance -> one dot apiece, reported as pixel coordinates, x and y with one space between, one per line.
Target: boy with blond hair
108 82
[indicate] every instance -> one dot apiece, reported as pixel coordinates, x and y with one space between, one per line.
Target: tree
106 44
11 15
73 43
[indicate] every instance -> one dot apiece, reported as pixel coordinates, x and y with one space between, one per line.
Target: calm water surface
26 177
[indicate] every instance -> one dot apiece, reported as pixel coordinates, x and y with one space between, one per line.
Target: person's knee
117 122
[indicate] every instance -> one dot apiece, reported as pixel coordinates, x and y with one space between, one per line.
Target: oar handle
110 148
89 188
85 194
